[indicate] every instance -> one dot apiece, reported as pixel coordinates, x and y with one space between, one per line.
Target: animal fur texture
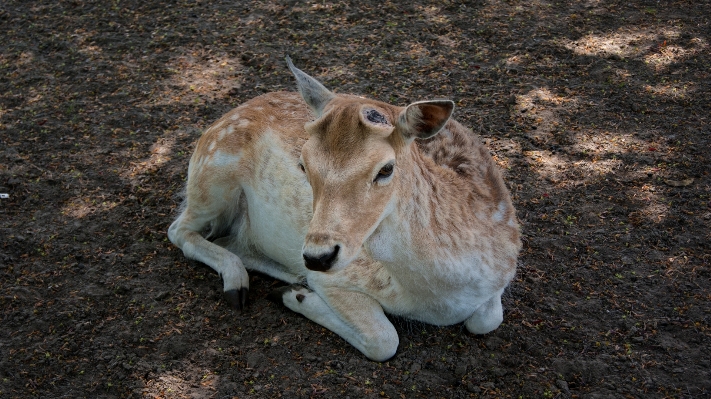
365 207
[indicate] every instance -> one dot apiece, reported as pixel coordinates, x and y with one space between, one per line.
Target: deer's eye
385 172
301 166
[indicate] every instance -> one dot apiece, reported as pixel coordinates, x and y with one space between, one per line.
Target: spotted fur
371 207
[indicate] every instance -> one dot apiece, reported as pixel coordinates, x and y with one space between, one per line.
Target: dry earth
598 112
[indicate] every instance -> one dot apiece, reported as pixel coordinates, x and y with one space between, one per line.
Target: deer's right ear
312 91
424 119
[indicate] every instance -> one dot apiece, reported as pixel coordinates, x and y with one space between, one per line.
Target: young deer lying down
362 202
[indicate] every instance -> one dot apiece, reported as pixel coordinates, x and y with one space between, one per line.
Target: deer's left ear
424 119
312 91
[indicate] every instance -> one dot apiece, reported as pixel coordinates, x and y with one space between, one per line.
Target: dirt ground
597 111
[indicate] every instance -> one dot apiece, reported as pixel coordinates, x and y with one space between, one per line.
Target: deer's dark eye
301 166
385 172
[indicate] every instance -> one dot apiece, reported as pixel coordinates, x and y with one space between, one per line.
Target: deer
362 208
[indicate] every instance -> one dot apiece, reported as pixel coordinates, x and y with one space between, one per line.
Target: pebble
493 342
562 385
473 388
460 370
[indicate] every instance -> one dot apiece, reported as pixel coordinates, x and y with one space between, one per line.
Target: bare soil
597 111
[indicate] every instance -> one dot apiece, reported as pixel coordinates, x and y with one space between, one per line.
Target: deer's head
351 161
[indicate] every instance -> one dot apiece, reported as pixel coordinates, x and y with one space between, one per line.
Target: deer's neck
430 218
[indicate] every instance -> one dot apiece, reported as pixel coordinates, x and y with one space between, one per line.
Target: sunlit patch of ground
434 15
665 54
160 154
83 40
653 209
599 143
82 206
199 77
542 108
171 385
673 90
658 47
625 43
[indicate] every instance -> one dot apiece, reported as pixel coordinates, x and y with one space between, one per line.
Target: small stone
493 343
499 372
563 385
122 290
473 388
460 370
13 181
390 390
254 359
415 367
161 296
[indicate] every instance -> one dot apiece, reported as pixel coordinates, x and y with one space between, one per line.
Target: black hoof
277 294
237 299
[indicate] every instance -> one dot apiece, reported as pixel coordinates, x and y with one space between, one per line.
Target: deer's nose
323 261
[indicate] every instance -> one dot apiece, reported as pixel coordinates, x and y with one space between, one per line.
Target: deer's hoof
237 298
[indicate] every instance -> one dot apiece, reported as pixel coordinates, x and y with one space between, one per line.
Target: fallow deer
361 205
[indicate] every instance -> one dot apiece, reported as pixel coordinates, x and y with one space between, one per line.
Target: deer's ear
424 119
312 91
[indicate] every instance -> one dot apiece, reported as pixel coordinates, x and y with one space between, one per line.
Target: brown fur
420 228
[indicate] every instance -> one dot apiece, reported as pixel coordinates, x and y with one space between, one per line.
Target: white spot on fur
225 132
243 123
223 159
500 212
212 145
235 116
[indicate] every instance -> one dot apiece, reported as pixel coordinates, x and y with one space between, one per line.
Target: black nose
321 262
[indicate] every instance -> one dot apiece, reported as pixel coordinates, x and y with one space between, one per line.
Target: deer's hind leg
215 211
487 317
